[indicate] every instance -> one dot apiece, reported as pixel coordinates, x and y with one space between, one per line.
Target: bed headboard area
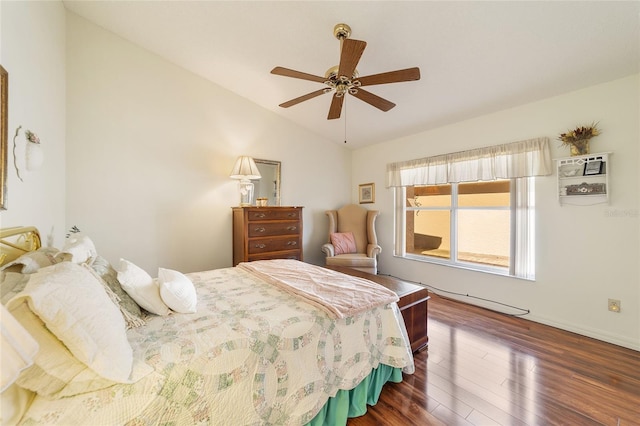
16 241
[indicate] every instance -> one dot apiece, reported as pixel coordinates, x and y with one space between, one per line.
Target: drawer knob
291 228
260 246
292 243
260 229
291 215
260 215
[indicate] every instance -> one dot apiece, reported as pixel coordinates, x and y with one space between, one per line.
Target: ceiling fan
344 78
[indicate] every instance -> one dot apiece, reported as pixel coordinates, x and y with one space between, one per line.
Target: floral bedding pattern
250 355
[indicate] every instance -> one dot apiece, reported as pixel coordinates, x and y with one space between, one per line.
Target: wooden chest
413 303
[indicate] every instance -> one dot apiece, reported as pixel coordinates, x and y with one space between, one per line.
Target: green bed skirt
353 403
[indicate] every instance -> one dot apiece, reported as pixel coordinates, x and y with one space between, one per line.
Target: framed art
367 192
4 133
593 168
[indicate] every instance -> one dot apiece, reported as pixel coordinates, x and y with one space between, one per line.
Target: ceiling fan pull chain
345 120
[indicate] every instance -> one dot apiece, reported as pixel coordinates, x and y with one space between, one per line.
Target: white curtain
513 160
523 249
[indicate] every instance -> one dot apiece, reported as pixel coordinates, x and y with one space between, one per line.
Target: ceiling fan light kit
344 78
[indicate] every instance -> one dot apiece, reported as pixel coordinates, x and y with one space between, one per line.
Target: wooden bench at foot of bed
413 303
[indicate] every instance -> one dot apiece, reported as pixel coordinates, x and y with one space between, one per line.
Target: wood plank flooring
483 368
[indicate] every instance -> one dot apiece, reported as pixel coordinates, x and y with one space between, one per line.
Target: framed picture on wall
593 168
367 193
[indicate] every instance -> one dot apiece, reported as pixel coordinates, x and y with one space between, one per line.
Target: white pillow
141 287
177 291
76 309
55 368
80 247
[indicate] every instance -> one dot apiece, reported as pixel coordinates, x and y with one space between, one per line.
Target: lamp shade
245 168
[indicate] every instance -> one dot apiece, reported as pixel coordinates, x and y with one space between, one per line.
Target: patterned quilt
251 355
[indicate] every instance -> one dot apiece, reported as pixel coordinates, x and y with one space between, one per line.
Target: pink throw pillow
343 242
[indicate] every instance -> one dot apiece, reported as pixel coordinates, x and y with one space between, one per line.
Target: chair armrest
373 250
328 249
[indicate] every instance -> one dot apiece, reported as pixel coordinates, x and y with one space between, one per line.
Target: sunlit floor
484 368
478 381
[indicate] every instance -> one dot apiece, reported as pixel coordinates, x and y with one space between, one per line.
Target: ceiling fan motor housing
341 84
342 31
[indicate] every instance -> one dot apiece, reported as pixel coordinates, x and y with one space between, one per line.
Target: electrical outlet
614 305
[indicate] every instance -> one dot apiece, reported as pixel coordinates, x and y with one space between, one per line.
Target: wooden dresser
413 303
261 233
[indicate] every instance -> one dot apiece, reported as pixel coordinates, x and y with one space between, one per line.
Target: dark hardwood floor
484 368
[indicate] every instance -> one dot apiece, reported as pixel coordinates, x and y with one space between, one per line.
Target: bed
268 342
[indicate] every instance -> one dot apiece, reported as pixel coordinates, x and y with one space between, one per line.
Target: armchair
361 223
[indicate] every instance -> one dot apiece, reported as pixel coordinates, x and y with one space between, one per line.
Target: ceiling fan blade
409 74
336 107
374 100
286 72
302 98
350 56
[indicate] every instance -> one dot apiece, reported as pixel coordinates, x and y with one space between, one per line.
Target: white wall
585 254
149 151
33 53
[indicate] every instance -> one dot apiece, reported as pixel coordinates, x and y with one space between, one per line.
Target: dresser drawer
267 229
264 245
295 254
270 214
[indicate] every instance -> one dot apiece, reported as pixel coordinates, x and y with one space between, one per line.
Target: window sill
462 265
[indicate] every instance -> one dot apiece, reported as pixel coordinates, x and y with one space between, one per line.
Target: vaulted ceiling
475 57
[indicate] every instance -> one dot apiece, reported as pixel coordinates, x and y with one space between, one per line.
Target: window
471 209
471 225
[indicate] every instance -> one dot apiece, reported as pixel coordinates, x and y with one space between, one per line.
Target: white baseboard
595 334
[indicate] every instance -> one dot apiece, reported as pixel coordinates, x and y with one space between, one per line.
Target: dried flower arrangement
31 137
578 138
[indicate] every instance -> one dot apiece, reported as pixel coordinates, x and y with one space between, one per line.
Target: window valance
512 160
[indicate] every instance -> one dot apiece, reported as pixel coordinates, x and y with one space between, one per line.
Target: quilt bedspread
251 354
338 294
